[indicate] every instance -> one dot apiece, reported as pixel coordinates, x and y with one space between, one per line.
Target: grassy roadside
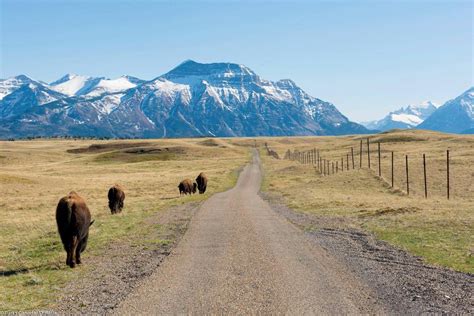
438 230
35 174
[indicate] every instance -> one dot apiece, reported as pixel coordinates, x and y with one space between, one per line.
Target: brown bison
187 187
201 182
116 198
74 219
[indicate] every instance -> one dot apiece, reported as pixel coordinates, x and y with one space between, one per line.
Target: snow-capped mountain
25 96
193 99
75 85
405 117
455 116
7 86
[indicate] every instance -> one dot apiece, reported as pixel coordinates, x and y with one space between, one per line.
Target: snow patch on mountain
168 90
70 84
109 103
409 119
111 86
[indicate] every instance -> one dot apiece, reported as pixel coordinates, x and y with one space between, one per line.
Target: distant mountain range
405 117
193 100
455 116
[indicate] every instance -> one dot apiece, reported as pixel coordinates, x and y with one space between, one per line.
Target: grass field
439 230
34 175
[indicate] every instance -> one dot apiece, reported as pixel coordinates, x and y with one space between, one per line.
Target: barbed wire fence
347 162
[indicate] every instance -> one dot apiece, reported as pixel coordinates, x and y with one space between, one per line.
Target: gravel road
239 256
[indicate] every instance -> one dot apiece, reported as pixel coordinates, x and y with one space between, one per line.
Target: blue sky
366 57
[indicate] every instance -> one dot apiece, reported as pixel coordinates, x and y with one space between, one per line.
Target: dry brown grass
439 230
34 175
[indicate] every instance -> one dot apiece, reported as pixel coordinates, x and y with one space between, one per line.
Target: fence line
327 167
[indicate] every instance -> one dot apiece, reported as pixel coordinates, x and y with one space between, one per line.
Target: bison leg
81 247
78 252
68 256
72 251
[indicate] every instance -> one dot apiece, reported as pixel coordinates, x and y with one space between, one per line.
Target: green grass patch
436 244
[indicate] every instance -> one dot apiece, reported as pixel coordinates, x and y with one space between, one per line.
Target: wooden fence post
447 172
380 170
347 162
424 174
406 168
368 152
332 167
392 169
352 154
342 163
337 166
360 154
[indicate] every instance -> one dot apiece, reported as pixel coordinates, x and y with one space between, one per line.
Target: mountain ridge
192 99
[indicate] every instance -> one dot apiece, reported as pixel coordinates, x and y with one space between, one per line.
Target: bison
201 182
73 219
116 197
187 187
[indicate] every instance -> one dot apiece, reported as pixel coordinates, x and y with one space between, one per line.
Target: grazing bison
201 182
116 198
74 219
187 187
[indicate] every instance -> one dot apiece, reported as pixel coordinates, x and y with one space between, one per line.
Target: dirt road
239 256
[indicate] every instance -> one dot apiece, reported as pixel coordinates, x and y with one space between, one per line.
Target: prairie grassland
437 229
34 175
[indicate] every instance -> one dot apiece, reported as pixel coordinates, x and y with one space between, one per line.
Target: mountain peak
68 77
23 78
193 68
426 104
